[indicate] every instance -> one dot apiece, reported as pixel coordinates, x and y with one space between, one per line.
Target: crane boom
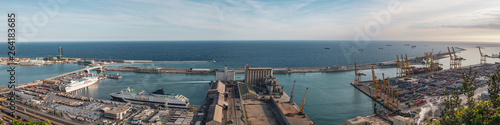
291 95
454 54
304 102
449 52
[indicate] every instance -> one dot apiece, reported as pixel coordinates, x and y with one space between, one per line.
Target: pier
138 61
237 71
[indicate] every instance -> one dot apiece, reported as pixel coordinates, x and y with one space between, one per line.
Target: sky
165 20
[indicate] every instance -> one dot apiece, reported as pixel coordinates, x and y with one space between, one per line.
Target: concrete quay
139 61
239 71
423 91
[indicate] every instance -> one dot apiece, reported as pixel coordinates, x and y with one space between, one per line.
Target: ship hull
127 99
81 84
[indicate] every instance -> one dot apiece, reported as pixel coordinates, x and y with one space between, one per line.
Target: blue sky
132 20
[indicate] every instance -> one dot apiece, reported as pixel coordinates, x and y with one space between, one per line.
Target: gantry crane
357 74
390 97
399 68
375 86
432 66
303 103
483 56
453 64
458 59
408 69
455 61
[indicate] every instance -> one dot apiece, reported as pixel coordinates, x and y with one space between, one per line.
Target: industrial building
225 76
217 103
117 112
256 76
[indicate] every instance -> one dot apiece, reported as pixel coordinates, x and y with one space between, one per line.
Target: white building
225 75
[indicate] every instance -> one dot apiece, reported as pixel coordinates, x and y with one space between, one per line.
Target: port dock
419 91
258 100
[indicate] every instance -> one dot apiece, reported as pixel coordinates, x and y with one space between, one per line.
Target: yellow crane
375 85
304 103
357 74
458 60
384 87
392 99
453 64
399 68
483 56
408 67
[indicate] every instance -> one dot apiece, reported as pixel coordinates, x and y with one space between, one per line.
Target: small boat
380 48
327 48
388 45
407 44
117 76
413 46
360 50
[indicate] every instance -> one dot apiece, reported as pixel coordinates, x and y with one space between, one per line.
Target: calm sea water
331 100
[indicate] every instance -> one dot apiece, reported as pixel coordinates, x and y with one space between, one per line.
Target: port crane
383 89
455 61
391 95
375 85
358 75
407 68
303 103
430 63
399 67
452 60
483 56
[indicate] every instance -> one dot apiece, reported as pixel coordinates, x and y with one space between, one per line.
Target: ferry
157 97
80 83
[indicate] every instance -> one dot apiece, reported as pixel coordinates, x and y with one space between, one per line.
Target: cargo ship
157 97
80 83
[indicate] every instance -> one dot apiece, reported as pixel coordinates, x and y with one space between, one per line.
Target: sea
330 100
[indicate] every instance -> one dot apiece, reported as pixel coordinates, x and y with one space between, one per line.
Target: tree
494 88
451 102
468 86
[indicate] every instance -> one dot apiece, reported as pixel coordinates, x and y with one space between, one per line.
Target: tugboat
117 76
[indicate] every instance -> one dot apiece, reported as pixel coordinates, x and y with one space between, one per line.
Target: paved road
50 117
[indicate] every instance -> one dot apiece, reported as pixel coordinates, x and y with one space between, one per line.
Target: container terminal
413 98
